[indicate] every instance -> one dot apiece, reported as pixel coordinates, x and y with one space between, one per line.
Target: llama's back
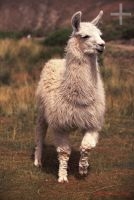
50 81
51 75
53 69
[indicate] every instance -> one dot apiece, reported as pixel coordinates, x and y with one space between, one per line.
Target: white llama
70 95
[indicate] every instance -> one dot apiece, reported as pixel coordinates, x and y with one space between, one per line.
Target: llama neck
80 77
82 70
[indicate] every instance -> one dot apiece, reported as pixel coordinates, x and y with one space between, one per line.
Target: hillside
47 15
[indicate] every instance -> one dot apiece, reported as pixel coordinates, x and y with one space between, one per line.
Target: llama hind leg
63 150
89 141
41 129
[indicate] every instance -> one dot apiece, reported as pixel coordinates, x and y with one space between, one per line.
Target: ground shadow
50 162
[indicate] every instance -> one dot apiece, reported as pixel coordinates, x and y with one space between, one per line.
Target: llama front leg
89 141
41 129
63 150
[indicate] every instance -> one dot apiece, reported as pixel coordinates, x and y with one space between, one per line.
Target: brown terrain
111 171
47 15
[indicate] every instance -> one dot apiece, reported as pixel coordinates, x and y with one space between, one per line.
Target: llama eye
86 37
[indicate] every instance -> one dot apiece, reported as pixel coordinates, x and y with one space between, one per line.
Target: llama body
70 95
67 106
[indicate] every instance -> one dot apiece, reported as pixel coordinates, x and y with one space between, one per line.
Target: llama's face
88 34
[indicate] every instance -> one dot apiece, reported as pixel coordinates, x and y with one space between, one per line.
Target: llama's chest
66 110
63 115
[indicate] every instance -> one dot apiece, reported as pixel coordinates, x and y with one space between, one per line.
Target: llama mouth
100 50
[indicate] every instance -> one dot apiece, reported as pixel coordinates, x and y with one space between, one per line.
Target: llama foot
63 179
83 163
37 163
83 170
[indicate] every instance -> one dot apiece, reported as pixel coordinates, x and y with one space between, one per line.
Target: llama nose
102 44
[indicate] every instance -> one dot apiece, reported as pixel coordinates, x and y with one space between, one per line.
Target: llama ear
76 19
97 19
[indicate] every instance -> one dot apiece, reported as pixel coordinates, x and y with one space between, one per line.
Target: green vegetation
20 34
58 38
22 60
114 31
13 35
112 161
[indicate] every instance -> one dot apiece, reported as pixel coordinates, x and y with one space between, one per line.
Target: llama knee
90 140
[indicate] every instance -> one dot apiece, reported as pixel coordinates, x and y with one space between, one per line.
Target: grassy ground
111 172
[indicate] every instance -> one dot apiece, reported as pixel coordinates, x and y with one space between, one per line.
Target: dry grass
118 74
111 171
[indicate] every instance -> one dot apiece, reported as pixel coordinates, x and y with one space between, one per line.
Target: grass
111 171
22 60
118 74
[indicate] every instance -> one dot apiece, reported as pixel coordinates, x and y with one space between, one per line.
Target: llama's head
87 33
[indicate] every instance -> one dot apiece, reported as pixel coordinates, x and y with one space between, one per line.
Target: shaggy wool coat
70 92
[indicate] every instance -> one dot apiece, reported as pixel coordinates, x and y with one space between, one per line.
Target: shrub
13 35
20 34
5 76
128 33
114 31
58 38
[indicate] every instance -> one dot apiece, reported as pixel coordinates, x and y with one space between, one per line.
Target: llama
70 95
